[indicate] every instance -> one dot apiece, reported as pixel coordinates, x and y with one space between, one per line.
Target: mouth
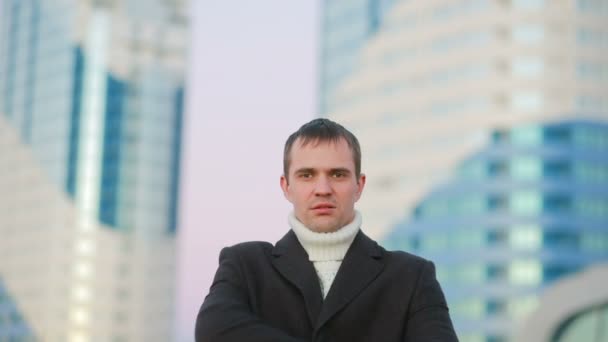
323 208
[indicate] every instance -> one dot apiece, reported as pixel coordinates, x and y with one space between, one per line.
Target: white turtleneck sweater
326 250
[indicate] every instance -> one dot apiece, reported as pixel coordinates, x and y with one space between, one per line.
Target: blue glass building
94 92
529 208
572 309
13 327
84 106
501 214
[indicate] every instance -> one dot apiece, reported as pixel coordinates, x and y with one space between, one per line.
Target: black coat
266 294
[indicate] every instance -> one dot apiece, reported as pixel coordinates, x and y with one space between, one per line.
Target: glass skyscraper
436 77
482 124
12 325
91 106
346 27
572 309
528 209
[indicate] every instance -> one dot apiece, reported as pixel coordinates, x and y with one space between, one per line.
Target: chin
323 224
325 228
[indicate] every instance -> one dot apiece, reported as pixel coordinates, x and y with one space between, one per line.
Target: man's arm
225 315
428 318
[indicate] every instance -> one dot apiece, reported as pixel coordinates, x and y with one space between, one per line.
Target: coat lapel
362 264
291 260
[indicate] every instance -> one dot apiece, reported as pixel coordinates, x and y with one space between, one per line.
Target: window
592 38
498 168
557 203
561 238
591 137
434 242
470 274
495 307
557 169
526 168
591 207
471 238
592 173
528 4
553 272
496 272
528 67
497 237
525 272
593 6
528 34
497 202
592 103
469 308
496 338
527 135
521 306
526 202
460 41
526 100
594 241
500 136
473 170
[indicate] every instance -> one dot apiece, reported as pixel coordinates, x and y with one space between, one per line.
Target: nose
322 187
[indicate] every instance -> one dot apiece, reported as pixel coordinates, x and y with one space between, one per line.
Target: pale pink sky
252 82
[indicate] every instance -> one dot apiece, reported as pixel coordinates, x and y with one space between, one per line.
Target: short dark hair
322 130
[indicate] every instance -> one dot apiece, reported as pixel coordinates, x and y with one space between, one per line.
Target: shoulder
398 257
248 249
397 263
408 263
403 257
247 258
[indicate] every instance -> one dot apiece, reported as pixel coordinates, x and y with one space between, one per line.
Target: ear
285 187
360 185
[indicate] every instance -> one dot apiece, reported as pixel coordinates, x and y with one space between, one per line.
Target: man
325 280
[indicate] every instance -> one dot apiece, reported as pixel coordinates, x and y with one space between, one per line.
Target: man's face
322 185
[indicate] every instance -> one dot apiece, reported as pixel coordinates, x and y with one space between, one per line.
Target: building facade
91 105
345 28
438 76
573 309
483 124
12 325
530 208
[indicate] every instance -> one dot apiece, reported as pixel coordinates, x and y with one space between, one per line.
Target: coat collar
291 260
361 265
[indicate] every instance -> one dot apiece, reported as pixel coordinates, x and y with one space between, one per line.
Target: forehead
321 154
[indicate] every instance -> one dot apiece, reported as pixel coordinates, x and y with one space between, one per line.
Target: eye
339 174
305 175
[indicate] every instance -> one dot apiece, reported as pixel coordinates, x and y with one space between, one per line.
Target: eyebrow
311 170
304 170
340 169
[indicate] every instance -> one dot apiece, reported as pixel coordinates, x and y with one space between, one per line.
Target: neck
326 246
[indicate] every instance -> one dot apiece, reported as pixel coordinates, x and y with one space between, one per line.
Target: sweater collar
325 246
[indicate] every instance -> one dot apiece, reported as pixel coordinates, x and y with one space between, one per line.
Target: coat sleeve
428 318
225 315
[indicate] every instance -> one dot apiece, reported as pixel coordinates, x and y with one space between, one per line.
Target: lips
323 209
324 206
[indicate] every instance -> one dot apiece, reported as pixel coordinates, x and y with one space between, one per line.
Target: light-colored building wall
74 283
439 75
75 277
